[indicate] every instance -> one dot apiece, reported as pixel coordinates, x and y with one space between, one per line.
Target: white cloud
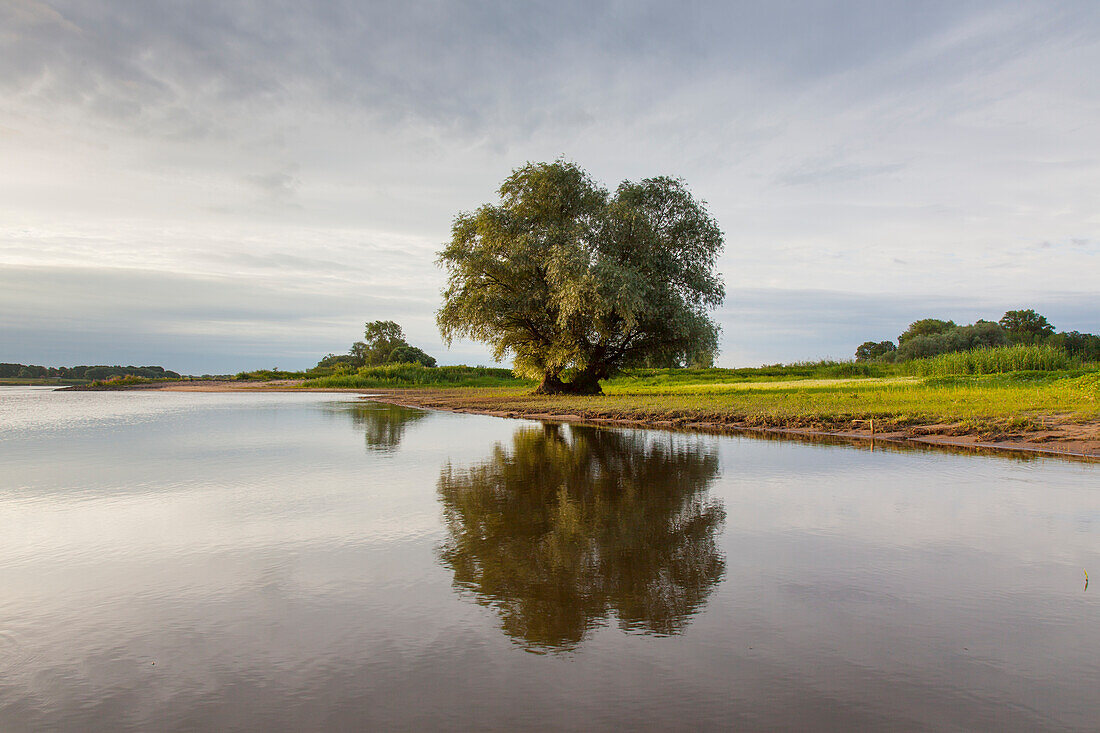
321 150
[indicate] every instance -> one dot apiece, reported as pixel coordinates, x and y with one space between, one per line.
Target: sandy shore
1062 438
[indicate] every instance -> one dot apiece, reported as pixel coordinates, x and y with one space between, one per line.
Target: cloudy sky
223 185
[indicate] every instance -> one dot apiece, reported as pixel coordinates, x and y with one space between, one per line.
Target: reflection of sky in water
281 560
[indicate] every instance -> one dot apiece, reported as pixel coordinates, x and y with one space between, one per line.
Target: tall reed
1000 360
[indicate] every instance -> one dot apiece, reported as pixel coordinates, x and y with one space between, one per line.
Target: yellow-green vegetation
994 361
128 380
417 375
983 404
896 402
267 375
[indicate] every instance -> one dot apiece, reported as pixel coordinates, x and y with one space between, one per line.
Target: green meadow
990 391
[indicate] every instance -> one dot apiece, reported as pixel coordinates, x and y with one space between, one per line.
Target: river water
188 561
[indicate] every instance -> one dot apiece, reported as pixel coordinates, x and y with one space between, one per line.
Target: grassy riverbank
1055 410
983 404
1031 394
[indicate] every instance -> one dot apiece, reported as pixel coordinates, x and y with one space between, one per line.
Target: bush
266 375
418 375
410 355
871 350
981 335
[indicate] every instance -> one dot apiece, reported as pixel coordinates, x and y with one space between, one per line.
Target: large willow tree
575 283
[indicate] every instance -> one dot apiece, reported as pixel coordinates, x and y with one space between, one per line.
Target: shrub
870 350
418 375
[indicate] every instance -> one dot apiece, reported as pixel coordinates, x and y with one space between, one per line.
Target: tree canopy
1026 326
925 327
383 343
577 283
380 338
870 350
932 336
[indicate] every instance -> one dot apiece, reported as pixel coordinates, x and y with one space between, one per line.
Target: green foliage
930 337
78 374
266 375
380 338
333 362
980 335
1082 345
993 361
567 278
657 378
871 350
383 343
1026 326
1087 386
925 327
983 403
126 381
409 355
417 375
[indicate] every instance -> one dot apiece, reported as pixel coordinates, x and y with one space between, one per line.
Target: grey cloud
277 188
815 172
202 324
215 325
267 140
168 68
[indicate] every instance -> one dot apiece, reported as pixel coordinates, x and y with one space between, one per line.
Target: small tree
1083 345
925 327
380 338
871 350
575 282
409 355
383 343
1026 326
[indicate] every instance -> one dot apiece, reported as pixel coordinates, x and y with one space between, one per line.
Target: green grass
267 375
774 372
987 405
393 376
129 380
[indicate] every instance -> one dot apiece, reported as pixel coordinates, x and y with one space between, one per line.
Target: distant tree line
33 371
931 336
383 343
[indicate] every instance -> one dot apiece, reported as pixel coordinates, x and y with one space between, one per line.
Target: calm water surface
272 562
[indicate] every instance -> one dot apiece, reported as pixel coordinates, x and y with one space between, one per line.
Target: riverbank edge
1087 450
1082 443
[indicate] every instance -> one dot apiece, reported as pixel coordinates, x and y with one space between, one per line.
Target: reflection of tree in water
384 425
558 534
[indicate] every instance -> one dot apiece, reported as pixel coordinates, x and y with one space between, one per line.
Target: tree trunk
585 382
550 384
